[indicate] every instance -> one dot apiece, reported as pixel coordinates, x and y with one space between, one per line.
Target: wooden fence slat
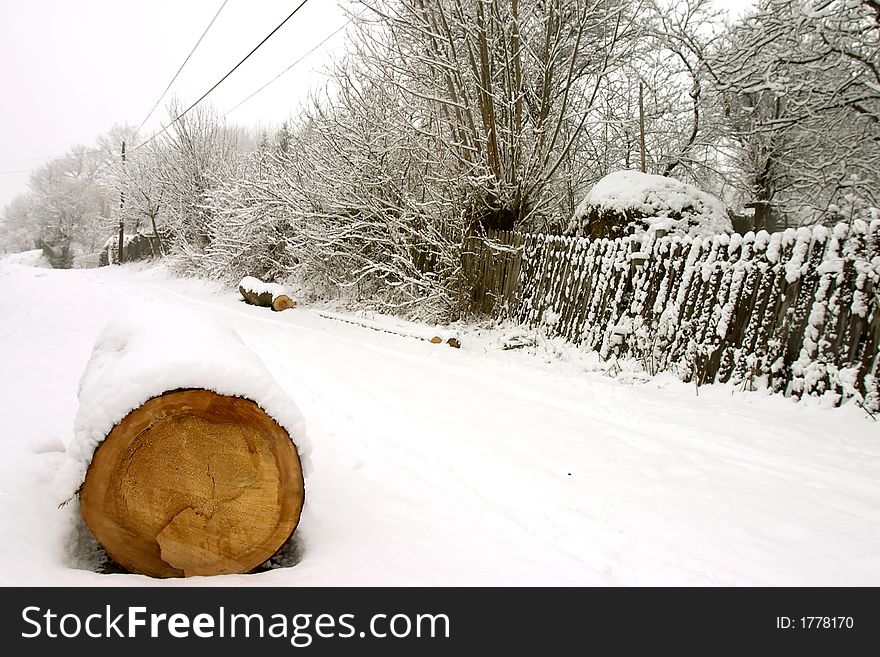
730 309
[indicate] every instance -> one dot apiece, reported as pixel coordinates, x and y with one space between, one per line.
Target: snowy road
437 466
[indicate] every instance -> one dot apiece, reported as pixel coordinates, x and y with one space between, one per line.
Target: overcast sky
71 69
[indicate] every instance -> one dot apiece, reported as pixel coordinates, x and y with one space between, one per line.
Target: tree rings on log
282 302
193 483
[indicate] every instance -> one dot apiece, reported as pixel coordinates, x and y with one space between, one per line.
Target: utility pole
120 258
642 122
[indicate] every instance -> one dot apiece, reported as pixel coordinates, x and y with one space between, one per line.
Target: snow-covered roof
659 201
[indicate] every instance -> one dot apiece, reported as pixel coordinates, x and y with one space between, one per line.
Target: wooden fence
797 311
139 246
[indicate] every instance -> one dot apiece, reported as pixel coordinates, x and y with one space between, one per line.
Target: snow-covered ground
471 466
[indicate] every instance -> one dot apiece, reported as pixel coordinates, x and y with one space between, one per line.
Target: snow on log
187 451
269 295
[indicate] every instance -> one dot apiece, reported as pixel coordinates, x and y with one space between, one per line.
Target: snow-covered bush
629 202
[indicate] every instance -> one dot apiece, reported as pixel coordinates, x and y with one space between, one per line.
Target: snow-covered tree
500 89
19 230
69 204
187 162
801 80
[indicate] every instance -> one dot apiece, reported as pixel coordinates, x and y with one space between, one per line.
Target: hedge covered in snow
627 202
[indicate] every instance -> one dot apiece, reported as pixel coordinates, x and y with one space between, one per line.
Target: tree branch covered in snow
449 118
801 80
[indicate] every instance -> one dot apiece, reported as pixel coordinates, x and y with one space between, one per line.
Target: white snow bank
577 476
33 258
257 286
150 349
657 198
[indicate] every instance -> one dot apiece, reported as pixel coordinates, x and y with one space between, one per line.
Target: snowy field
471 466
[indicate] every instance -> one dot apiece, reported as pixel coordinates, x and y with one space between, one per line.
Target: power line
220 81
291 66
146 118
159 100
53 157
29 159
205 95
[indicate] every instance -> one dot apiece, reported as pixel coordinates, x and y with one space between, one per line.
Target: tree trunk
642 126
193 483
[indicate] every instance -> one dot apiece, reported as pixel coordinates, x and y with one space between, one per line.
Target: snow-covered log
270 295
187 451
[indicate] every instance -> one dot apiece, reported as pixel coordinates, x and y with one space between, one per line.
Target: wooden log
187 457
193 483
269 295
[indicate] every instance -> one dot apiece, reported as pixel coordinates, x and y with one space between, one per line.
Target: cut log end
193 483
282 302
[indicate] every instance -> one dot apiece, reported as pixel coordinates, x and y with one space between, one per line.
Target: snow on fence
797 311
